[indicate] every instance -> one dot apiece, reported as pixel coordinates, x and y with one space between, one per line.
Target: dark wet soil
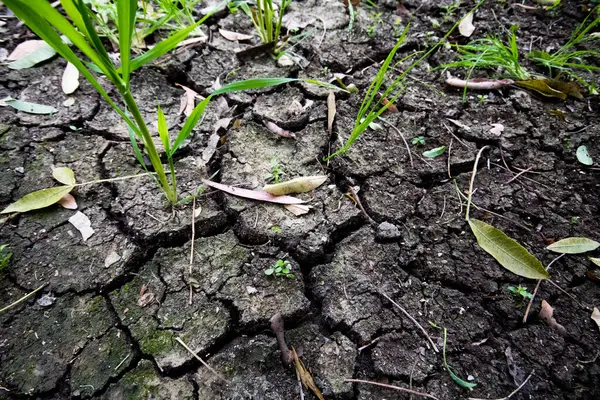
105 325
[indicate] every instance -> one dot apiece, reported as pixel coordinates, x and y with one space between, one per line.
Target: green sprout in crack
483 98
520 294
276 172
418 141
281 268
5 256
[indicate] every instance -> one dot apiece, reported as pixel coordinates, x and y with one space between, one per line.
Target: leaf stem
471 183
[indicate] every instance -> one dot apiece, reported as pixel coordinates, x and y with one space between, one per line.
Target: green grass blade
163 131
126 10
164 46
73 13
190 123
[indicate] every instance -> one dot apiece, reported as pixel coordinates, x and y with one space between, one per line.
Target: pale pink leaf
68 202
253 194
233 36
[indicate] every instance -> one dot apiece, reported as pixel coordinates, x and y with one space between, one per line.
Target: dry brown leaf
546 314
297 209
68 202
466 27
596 316
70 79
305 377
25 48
188 100
83 225
330 111
233 36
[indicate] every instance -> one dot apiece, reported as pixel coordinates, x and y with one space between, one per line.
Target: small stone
387 231
46 300
112 258
251 289
20 170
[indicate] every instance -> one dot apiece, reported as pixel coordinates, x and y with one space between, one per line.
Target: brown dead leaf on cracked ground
305 376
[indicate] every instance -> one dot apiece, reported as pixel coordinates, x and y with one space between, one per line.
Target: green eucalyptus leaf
38 199
30 108
583 156
42 54
510 254
438 151
574 245
64 175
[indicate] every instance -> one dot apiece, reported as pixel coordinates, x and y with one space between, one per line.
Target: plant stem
170 192
473 181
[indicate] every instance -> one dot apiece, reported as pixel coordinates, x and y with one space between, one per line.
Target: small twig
517 175
471 183
22 299
464 196
536 289
413 320
590 361
178 339
368 344
122 361
412 165
511 393
300 385
367 216
192 249
449 154
455 137
443 210
393 387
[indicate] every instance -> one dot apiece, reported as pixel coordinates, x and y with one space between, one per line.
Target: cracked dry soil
91 334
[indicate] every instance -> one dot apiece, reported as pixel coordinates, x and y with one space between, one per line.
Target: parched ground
106 323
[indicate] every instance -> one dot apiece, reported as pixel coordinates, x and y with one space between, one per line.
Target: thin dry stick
300 385
449 153
513 392
353 192
413 320
393 387
22 299
201 360
192 249
518 175
493 213
536 289
568 294
473 181
412 165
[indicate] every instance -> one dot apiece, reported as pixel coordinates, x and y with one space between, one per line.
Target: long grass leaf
126 10
163 130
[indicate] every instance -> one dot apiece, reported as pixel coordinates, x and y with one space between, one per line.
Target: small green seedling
276 229
521 294
418 141
265 24
281 268
483 98
5 256
276 172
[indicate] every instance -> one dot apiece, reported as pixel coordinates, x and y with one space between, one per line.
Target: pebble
387 231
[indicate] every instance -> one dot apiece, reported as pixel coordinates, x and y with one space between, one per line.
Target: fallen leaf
31 108
211 147
146 298
38 199
497 129
188 100
569 88
297 209
279 131
83 224
546 314
29 53
438 151
510 254
198 39
69 102
233 36
596 316
595 260
298 185
222 123
64 175
3 54
70 79
305 377
253 194
594 274
583 156
460 124
574 245
68 202
330 111
541 86
466 27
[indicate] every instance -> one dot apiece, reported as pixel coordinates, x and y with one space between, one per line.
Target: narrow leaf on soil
38 199
541 86
41 52
510 254
595 260
330 111
70 79
574 245
31 108
583 156
298 185
64 175
460 382
233 36
596 316
438 151
253 194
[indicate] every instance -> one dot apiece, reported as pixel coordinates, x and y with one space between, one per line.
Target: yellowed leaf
298 185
